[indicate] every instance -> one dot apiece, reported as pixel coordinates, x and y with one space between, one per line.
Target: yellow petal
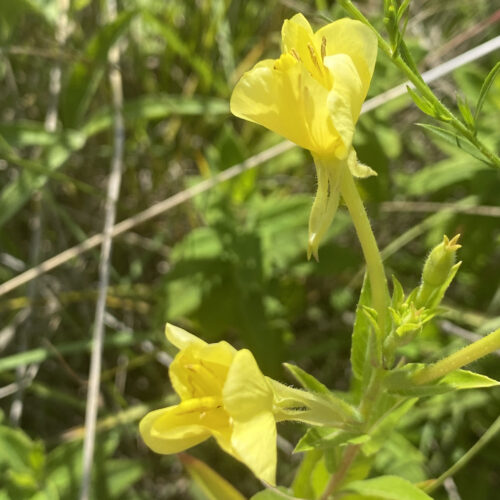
181 338
283 97
255 442
298 39
353 38
325 204
344 100
170 431
199 371
246 391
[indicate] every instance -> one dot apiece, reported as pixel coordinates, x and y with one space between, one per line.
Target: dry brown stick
431 206
113 191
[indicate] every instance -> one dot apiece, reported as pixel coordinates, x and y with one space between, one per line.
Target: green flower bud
439 269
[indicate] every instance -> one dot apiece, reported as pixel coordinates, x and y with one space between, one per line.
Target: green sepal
306 380
398 294
312 408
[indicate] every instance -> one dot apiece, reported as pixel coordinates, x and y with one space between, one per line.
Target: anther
323 48
294 54
313 56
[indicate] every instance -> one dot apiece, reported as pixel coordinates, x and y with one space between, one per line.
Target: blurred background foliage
230 263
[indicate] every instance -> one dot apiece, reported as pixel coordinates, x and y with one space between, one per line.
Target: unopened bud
437 269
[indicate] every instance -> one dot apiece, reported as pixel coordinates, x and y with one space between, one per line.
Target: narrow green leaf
118 339
15 194
212 484
27 133
421 102
328 437
488 81
388 488
466 113
118 476
400 382
279 493
86 74
177 45
302 483
402 9
361 335
452 138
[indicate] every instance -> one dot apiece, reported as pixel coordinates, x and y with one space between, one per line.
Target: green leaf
452 138
401 458
213 486
119 475
15 448
118 339
177 45
28 133
440 175
488 81
306 380
388 488
279 493
466 113
361 334
312 476
386 422
86 74
328 437
465 379
15 194
400 382
422 102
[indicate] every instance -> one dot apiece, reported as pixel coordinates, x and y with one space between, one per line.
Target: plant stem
374 266
483 440
336 480
460 358
423 88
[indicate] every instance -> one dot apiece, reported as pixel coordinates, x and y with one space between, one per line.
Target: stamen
323 48
294 54
199 405
313 56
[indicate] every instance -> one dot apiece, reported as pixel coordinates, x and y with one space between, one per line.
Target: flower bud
439 269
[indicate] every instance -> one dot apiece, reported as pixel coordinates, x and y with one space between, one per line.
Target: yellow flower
223 394
312 95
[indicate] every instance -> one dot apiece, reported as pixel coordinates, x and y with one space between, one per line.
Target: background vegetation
229 263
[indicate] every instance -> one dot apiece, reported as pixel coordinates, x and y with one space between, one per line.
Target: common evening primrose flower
223 394
312 95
